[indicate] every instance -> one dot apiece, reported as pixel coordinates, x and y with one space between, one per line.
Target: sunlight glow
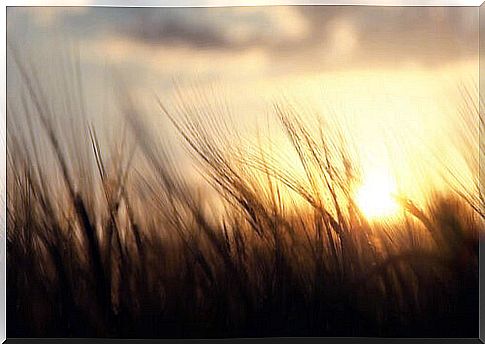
375 196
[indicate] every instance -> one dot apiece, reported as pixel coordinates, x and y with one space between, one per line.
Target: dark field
114 241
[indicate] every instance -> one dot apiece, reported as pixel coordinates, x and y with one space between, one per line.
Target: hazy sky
315 37
378 69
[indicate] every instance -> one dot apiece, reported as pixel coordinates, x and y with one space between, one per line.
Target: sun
375 196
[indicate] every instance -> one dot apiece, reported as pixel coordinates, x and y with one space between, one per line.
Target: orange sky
389 76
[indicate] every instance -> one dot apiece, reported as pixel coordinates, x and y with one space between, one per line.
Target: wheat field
113 240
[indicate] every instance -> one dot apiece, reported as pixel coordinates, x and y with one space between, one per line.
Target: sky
391 76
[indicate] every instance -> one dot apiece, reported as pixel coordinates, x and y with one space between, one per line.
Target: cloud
218 28
387 34
324 36
177 62
211 28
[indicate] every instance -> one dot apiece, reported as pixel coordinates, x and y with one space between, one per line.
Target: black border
312 340
267 340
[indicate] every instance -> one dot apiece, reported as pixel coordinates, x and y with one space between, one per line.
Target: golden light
375 196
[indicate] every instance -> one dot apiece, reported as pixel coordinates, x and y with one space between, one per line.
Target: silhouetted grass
100 246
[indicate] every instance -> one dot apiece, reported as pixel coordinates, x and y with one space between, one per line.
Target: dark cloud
217 28
192 27
351 34
425 35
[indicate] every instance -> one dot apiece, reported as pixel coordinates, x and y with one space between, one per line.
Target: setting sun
238 171
374 197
